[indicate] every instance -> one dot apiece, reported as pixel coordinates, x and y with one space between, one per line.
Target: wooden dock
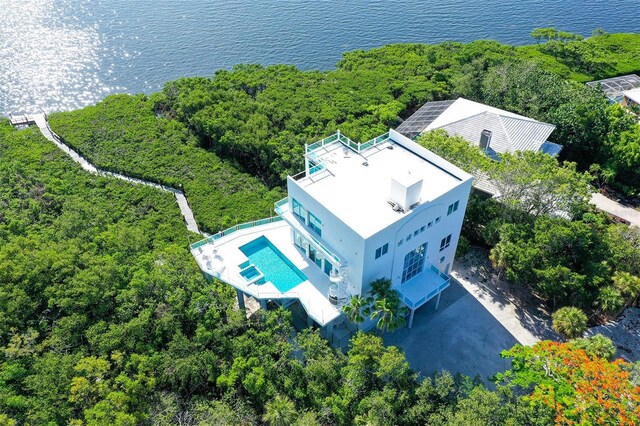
22 119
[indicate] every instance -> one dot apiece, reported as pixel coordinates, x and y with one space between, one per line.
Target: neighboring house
631 98
614 88
496 131
387 208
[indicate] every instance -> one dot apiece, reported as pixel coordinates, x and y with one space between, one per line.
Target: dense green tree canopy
106 319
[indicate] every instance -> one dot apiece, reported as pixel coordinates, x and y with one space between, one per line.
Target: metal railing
357 147
323 142
433 293
233 229
373 142
339 137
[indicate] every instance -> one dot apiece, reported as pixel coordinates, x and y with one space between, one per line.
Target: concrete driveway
613 207
461 337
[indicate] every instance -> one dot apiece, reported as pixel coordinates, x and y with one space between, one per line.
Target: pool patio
221 258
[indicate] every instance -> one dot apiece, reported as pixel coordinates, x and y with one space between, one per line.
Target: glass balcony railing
281 206
233 229
316 159
357 147
431 281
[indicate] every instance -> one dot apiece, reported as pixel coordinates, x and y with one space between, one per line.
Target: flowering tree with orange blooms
578 388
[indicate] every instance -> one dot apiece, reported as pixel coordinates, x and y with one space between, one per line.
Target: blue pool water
273 264
250 273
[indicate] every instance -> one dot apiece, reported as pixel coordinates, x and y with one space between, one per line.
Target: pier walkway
40 120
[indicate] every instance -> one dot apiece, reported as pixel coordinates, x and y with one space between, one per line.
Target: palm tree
355 309
389 313
629 286
381 288
610 300
597 346
280 411
570 322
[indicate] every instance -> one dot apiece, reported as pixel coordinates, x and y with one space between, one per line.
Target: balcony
282 210
423 287
222 258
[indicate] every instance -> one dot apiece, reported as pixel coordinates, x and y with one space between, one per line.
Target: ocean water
64 54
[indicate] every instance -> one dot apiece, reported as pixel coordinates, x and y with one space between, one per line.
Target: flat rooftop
358 194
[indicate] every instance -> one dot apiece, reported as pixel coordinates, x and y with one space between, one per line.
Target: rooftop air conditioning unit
405 191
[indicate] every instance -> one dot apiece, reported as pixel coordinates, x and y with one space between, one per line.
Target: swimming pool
273 264
251 274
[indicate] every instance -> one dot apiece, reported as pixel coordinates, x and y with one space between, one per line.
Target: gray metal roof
508 134
613 87
482 182
468 119
416 123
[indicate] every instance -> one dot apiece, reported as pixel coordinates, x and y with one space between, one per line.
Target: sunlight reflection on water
64 54
49 60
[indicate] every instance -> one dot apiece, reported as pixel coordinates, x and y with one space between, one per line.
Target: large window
315 224
380 251
445 242
300 242
315 255
413 263
452 207
299 211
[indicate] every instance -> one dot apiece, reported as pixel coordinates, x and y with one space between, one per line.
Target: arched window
414 262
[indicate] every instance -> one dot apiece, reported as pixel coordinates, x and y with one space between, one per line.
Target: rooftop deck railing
233 229
373 142
323 142
357 147
338 137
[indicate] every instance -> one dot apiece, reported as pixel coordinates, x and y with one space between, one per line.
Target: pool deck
221 259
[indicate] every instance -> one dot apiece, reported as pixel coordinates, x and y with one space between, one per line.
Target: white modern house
387 208
494 130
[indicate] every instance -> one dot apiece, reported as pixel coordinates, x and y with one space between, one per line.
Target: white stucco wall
360 253
348 244
390 265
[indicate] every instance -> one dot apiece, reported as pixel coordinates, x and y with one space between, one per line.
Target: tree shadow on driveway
461 337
